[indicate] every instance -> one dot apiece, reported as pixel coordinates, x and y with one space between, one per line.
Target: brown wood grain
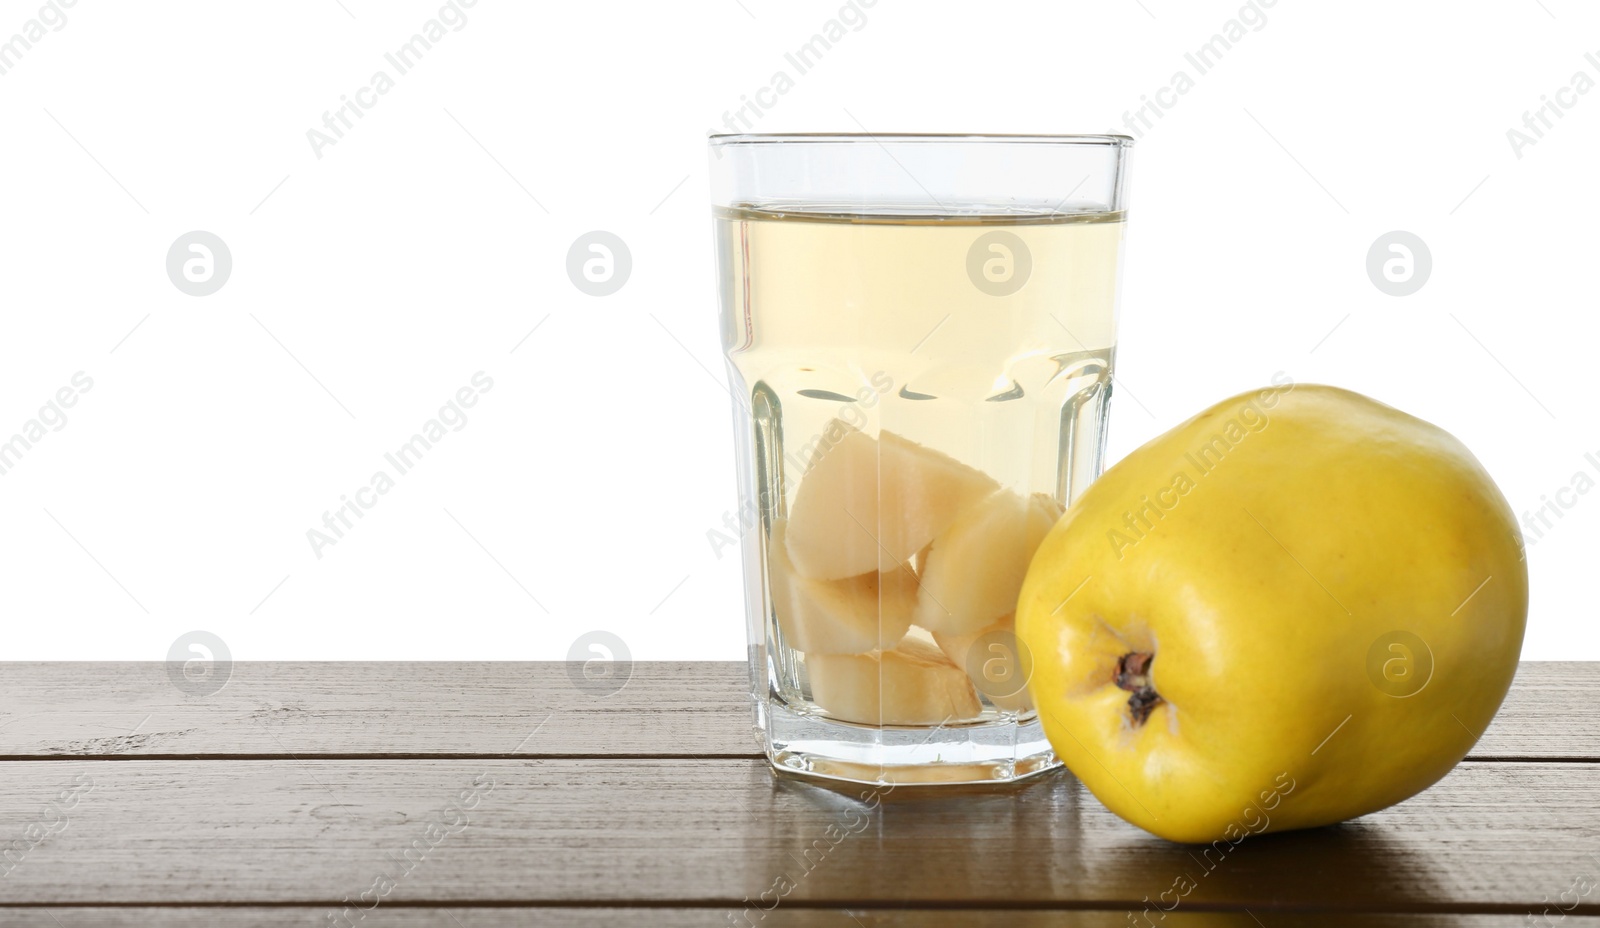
307 709
517 916
410 709
1499 838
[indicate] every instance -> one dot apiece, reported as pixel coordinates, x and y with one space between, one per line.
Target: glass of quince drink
920 333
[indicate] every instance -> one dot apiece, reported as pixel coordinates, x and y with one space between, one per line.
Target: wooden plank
412 709
310 709
1549 713
1499 838
520 916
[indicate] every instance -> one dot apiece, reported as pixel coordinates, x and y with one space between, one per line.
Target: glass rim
719 139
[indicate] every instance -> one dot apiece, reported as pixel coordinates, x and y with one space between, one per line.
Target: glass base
999 750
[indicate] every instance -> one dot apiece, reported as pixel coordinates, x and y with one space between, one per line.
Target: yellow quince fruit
1297 607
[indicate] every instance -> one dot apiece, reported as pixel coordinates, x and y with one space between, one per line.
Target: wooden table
485 795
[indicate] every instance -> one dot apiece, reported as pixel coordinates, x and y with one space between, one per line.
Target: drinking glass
920 332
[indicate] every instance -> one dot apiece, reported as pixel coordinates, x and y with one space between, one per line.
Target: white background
369 284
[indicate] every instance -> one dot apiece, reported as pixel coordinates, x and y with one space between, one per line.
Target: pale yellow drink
993 350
